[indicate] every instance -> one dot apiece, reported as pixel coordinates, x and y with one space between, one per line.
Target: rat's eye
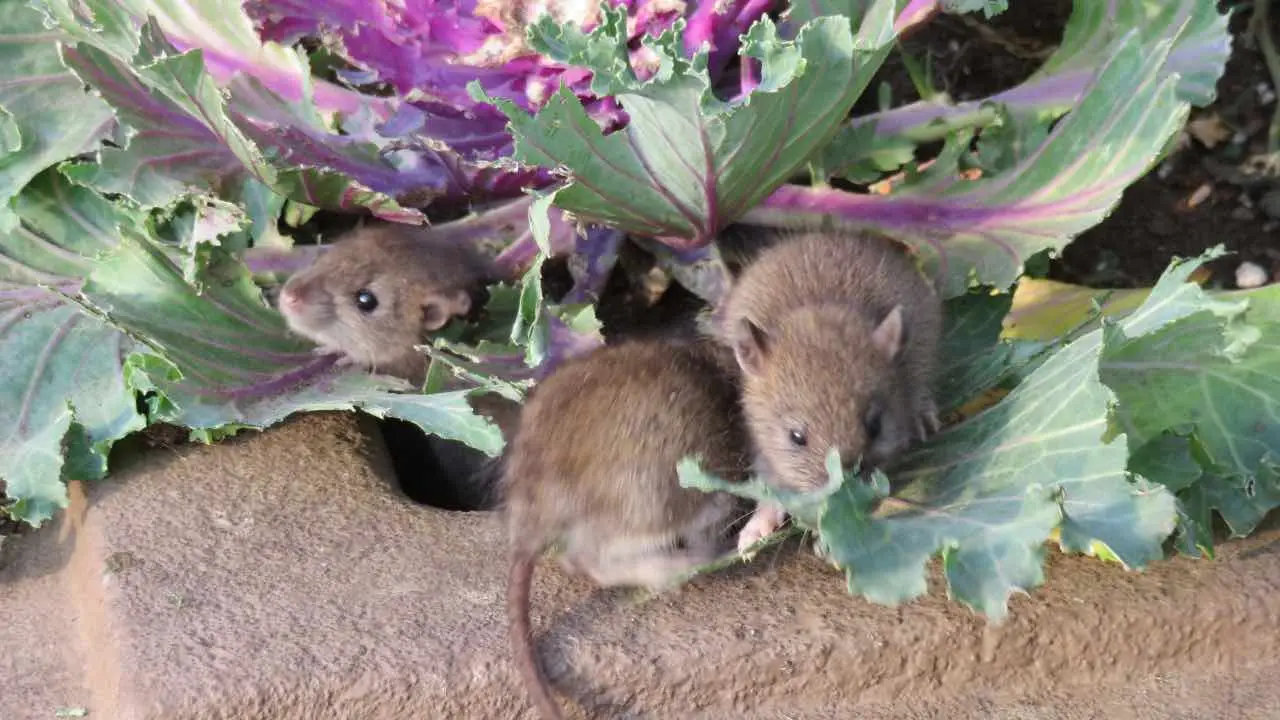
798 438
366 301
871 423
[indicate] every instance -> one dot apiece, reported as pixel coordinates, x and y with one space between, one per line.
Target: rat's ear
750 346
440 307
888 337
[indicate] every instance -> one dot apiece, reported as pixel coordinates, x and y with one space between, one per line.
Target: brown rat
836 334
380 290
592 467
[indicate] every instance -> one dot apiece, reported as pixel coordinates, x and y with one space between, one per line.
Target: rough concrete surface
41 653
279 576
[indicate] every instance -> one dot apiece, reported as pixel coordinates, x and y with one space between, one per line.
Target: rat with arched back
592 467
382 289
837 336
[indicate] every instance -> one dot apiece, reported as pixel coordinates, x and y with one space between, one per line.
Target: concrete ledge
42 658
279 576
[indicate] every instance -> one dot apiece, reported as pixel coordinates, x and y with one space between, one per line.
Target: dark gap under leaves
435 472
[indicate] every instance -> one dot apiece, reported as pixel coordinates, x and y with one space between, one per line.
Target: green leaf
992 543
61 383
45 114
859 155
10 133
530 327
980 232
1168 460
549 333
1177 395
1047 309
222 357
173 148
1242 501
199 223
1210 364
1201 44
688 164
972 357
804 508
799 13
989 8
986 492
186 133
1009 143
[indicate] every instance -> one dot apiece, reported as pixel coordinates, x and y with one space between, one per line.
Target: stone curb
280 576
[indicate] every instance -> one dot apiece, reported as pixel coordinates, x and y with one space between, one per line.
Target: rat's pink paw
927 422
344 360
763 523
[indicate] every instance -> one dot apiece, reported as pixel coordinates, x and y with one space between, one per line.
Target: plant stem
1262 32
733 558
939 129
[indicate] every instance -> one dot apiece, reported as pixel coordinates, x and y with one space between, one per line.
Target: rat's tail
519 583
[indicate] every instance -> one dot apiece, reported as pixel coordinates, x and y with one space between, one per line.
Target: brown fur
593 467
420 284
810 320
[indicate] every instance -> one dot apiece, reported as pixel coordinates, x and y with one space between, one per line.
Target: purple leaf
686 164
169 149
430 49
592 260
226 36
189 134
1201 46
982 231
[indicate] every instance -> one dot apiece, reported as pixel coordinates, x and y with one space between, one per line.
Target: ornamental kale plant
159 155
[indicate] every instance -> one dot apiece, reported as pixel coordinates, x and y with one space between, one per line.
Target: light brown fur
808 308
420 283
593 468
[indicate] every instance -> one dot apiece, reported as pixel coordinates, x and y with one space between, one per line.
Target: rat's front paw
343 360
927 422
753 533
764 522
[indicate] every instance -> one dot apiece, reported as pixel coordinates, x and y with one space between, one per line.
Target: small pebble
1243 214
1201 194
1209 130
1250 275
1265 94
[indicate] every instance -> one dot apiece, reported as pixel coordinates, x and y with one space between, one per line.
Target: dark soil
1163 215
